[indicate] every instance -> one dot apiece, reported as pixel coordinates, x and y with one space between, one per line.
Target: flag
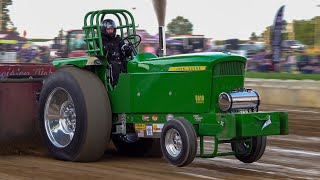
276 38
24 33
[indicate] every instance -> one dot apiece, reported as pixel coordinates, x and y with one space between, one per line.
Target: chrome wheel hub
173 142
60 118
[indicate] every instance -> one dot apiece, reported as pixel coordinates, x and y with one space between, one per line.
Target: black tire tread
190 138
259 144
98 111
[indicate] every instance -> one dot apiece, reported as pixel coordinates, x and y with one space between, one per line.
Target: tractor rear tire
179 142
146 147
74 103
258 144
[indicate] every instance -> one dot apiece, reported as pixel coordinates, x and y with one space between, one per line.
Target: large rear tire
179 142
140 147
75 115
250 152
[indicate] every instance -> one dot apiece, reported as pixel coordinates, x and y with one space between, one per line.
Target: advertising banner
276 37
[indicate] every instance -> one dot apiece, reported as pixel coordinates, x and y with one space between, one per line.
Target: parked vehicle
244 49
73 45
190 43
293 45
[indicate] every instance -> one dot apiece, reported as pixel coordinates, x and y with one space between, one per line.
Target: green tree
61 35
253 37
304 31
180 26
5 17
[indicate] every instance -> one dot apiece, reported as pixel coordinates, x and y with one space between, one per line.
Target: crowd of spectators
262 61
290 62
35 54
25 53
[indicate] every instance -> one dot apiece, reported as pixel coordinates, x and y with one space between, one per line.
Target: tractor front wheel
179 142
251 151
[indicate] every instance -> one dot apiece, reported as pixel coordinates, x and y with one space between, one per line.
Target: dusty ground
296 156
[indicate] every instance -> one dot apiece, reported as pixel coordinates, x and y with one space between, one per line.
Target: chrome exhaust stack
160 8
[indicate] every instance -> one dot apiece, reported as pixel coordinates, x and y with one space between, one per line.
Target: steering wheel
129 40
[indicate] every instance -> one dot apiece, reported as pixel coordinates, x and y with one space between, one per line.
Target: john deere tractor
162 106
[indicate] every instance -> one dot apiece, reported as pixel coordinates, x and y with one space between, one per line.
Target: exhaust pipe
162 41
160 8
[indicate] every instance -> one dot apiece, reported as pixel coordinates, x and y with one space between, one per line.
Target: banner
276 38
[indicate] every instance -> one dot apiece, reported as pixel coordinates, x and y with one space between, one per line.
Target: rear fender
80 62
89 63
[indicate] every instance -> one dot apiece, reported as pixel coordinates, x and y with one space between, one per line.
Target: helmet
108 24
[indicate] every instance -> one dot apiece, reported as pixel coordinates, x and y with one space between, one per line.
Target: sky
217 19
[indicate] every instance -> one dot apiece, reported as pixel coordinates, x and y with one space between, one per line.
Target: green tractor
160 107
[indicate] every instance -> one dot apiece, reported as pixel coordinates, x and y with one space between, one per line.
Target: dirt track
296 156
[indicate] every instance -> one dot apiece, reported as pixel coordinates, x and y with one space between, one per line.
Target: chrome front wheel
179 142
173 142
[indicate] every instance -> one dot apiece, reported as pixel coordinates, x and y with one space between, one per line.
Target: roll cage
92 30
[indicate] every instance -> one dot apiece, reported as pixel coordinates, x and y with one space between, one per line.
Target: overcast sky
218 19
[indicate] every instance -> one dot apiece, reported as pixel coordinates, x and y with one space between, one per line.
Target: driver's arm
126 50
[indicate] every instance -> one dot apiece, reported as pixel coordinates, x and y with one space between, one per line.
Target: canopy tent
169 40
11 37
175 42
146 38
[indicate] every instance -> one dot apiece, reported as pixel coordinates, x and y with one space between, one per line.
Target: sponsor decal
157 127
197 117
149 130
145 117
139 126
221 123
154 118
188 68
267 123
141 133
199 99
7 72
169 117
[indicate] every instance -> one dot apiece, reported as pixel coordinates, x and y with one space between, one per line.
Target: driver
115 49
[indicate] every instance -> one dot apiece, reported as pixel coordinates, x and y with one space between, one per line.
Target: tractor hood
147 62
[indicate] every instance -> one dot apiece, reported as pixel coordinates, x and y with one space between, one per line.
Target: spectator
265 63
150 49
290 63
44 54
303 60
175 51
312 67
257 59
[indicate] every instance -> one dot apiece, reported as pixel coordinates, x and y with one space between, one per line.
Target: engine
239 100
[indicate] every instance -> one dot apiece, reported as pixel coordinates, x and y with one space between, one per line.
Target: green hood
147 62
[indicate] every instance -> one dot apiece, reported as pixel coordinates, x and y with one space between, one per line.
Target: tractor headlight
225 101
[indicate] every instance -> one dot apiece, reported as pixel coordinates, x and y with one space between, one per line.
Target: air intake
229 68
